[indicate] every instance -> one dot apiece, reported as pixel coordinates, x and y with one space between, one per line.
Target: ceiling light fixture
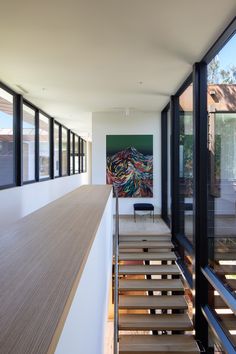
127 112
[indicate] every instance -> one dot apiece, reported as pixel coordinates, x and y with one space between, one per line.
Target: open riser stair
153 311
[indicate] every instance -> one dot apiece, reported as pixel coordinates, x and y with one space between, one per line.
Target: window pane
64 152
84 156
169 165
71 153
223 313
81 154
6 139
44 147
76 154
56 150
28 144
222 163
186 163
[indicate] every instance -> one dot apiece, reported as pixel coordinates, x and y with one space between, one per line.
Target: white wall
84 329
89 161
19 201
115 123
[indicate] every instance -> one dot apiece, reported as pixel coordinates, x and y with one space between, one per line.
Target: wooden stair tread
178 322
225 269
230 282
146 244
151 284
225 256
147 256
135 238
172 344
219 303
228 321
152 302
143 234
149 269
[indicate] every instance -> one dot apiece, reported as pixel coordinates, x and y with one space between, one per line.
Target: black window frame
29 105
56 123
204 276
84 156
50 146
68 154
18 102
76 136
16 134
72 153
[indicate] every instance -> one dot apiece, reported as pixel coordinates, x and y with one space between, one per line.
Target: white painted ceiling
74 57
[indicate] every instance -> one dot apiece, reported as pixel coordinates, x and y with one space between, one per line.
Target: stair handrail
116 279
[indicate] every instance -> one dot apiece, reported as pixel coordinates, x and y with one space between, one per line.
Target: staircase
153 312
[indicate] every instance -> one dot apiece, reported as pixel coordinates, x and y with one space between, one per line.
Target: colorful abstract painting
130 164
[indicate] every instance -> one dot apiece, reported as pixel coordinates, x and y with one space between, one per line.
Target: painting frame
129 164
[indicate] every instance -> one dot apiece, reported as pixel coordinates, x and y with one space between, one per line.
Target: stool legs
151 214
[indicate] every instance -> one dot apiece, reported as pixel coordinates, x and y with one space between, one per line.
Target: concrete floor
144 223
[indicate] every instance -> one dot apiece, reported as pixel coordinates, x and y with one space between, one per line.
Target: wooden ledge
42 258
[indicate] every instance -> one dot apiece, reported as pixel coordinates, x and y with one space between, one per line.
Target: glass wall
71 153
186 163
80 155
84 156
28 144
6 139
223 313
64 157
169 166
222 163
212 277
56 150
44 146
76 154
32 133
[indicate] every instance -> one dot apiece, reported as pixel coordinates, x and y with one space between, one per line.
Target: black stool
143 207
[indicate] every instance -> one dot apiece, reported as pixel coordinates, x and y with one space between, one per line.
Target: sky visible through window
6 123
227 55
222 68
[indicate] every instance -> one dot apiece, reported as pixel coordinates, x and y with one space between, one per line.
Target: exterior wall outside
136 123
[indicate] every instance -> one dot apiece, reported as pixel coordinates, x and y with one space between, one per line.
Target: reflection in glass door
186 163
